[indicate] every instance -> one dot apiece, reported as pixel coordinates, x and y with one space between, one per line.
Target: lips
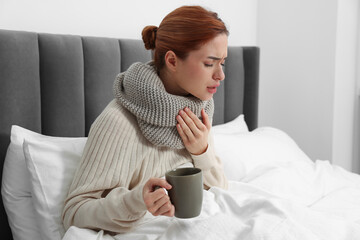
212 89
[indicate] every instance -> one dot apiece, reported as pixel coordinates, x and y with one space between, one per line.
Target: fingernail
186 109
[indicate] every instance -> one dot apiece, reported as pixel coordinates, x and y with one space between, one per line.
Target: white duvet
275 192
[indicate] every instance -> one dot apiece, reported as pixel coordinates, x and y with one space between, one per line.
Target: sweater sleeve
212 167
118 212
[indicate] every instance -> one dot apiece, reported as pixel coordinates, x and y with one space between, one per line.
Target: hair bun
149 36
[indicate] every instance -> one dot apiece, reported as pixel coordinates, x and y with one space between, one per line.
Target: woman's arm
118 211
199 143
107 190
212 167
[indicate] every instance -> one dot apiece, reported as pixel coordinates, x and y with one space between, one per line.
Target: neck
170 84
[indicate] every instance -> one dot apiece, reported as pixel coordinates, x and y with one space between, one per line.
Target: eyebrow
215 58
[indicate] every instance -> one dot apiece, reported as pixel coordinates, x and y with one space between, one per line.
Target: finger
156 205
206 119
181 133
170 212
154 200
164 208
185 128
195 119
154 182
151 199
163 205
189 122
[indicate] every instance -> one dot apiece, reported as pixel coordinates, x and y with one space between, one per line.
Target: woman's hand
156 200
193 132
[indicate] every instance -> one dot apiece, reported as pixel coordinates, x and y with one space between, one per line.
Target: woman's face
202 71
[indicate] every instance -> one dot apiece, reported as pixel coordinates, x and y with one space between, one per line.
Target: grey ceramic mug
186 193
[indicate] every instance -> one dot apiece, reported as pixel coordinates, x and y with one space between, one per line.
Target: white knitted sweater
118 160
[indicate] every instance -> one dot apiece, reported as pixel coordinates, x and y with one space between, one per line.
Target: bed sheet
277 200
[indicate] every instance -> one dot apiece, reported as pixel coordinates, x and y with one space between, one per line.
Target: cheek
195 72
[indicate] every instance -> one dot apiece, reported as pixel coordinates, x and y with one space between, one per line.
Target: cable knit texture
140 90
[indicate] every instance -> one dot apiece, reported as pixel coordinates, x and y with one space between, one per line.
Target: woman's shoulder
117 110
115 116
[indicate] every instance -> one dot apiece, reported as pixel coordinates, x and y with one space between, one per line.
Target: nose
219 74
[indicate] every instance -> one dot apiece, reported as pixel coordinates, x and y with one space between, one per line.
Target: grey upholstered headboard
58 84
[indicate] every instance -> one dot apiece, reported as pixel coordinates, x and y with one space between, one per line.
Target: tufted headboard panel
58 84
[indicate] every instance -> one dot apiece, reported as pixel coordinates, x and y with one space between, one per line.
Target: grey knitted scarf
141 91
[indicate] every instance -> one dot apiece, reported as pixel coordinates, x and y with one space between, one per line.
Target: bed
53 86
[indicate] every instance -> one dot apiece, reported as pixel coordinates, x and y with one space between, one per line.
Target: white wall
114 18
308 80
297 41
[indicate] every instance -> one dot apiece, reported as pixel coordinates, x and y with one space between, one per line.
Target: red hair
183 30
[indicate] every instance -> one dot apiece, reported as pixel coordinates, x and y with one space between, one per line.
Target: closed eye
215 59
210 65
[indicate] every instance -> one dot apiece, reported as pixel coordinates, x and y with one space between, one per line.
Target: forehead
217 47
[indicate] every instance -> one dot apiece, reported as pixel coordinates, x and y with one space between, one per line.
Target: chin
205 98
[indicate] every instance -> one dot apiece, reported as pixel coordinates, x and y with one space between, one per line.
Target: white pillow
15 188
261 147
16 185
52 165
238 125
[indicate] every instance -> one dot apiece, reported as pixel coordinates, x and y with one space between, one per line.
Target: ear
171 60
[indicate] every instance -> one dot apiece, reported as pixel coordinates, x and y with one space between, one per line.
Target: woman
159 120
